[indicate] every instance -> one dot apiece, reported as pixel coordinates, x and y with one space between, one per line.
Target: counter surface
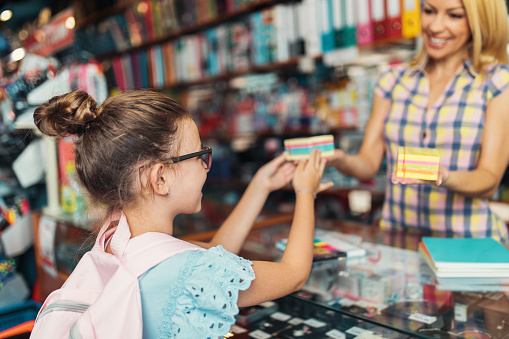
392 285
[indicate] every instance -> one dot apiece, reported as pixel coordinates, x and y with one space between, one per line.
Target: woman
446 98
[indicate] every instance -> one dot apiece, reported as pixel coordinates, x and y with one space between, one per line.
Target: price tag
306 65
460 312
258 334
346 302
47 230
335 334
295 321
367 335
362 303
423 318
341 56
356 331
314 323
237 329
280 316
267 304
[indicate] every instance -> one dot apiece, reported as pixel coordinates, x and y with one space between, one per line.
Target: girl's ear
159 179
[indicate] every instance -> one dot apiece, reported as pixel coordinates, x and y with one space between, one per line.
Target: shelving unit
97 16
243 10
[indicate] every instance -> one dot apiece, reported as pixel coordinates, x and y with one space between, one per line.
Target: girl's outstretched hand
276 173
309 172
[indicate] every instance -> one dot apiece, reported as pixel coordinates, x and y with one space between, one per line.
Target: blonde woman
453 97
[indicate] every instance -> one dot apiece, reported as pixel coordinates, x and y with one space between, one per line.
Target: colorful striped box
300 148
417 163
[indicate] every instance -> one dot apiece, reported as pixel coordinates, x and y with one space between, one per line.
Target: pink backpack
101 298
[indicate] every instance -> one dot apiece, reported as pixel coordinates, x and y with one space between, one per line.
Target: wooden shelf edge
203 236
104 13
286 133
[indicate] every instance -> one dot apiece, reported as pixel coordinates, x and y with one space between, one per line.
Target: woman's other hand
337 159
443 175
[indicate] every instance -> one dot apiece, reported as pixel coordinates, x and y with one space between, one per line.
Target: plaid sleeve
385 83
498 80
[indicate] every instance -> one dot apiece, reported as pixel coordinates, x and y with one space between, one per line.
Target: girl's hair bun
66 114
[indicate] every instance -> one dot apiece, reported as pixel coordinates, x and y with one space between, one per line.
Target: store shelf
287 132
291 63
366 58
249 8
102 14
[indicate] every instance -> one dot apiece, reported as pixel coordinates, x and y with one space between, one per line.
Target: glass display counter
391 288
291 317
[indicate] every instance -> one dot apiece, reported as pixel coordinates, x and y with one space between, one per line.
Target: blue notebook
467 253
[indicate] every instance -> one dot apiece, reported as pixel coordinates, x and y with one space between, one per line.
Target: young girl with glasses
140 153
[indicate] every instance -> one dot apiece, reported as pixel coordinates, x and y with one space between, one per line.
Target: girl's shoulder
218 265
212 259
203 302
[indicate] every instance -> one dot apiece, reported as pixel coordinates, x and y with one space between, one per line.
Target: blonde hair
490 33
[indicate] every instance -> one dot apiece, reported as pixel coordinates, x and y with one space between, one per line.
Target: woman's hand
443 175
275 174
309 172
337 159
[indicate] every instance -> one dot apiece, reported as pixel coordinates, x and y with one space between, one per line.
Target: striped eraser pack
300 148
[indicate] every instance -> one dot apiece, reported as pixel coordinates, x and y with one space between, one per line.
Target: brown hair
490 33
129 130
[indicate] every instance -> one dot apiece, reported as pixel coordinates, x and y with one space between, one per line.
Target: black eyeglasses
205 155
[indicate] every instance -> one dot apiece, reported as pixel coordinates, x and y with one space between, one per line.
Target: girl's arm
233 232
483 181
274 280
365 164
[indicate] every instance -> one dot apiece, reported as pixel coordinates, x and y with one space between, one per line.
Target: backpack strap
142 252
105 233
121 238
149 249
120 235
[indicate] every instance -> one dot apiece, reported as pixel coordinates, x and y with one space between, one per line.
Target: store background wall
252 73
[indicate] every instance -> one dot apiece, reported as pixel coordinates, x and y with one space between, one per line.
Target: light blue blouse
193 294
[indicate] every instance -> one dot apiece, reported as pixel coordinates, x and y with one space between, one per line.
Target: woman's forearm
357 166
479 183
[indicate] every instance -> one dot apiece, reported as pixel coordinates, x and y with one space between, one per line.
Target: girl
140 153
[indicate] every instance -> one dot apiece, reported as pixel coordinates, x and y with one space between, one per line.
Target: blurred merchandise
14 290
71 194
15 315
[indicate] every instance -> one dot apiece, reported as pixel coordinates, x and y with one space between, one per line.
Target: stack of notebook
467 264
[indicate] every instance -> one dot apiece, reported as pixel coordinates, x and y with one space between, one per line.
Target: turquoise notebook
461 253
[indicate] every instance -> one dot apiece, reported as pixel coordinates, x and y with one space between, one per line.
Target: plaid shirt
454 125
